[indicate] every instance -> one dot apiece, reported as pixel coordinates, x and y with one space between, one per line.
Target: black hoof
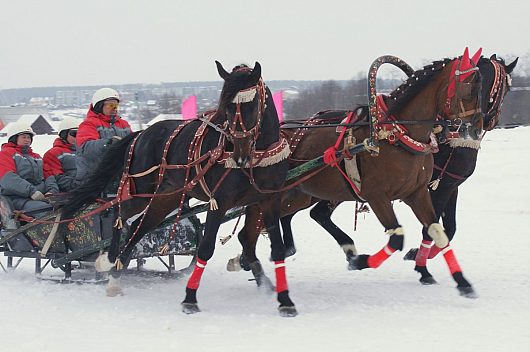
287 311
358 262
467 292
411 254
428 280
190 308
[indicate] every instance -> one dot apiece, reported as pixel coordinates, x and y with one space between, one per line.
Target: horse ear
493 57
511 66
256 73
464 62
476 56
222 72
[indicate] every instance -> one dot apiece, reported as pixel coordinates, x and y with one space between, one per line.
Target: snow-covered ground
339 310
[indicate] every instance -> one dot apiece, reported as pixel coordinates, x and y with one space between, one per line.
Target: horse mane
413 85
110 165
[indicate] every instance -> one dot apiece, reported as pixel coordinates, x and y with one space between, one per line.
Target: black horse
453 164
457 159
231 157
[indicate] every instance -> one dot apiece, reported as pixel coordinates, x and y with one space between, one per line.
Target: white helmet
69 123
19 127
103 94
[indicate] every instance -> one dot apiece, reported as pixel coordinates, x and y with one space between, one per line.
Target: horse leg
248 237
288 238
204 253
384 212
321 213
422 207
271 217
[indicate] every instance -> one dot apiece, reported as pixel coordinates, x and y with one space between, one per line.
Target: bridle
501 84
247 96
456 89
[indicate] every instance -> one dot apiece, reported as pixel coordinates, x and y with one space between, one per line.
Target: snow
339 310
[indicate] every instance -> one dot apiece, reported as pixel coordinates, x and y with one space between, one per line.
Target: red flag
189 108
1 124
278 102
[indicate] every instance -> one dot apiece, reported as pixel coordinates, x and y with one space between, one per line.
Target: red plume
476 56
465 64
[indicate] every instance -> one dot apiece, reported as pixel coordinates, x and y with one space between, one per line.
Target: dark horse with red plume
457 158
223 157
403 167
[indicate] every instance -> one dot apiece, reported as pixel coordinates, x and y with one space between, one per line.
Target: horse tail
108 168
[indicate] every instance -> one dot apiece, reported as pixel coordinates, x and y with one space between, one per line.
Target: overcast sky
98 42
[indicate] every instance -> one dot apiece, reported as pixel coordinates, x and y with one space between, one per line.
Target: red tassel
329 156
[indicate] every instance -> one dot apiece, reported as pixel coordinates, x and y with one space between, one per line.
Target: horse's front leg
271 217
204 253
382 208
421 205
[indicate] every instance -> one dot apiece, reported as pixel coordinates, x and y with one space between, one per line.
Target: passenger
59 161
101 127
21 173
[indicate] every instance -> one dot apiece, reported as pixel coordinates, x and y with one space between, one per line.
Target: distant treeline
348 95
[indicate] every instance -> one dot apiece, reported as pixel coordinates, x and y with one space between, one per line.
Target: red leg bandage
375 260
281 279
451 261
423 252
195 277
434 251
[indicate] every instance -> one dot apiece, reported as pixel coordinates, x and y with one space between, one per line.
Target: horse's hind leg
384 212
422 207
321 213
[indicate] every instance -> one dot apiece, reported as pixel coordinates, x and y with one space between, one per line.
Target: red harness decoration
396 133
330 154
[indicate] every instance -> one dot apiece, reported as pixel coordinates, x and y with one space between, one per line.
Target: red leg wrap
434 251
281 279
377 259
423 252
451 261
195 277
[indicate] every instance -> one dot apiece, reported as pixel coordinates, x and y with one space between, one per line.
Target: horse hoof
190 308
114 291
358 262
429 280
467 292
287 311
411 254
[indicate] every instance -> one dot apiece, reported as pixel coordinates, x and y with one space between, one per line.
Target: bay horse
396 173
234 156
456 161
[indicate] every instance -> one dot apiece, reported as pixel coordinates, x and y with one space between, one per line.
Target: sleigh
74 247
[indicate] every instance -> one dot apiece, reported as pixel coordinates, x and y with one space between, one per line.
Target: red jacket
7 162
54 158
98 126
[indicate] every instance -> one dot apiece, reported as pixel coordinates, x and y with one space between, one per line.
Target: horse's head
243 103
496 82
462 101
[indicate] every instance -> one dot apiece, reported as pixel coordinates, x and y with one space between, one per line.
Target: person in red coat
21 172
59 161
101 127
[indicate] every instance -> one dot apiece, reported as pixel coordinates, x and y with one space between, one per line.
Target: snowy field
339 310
